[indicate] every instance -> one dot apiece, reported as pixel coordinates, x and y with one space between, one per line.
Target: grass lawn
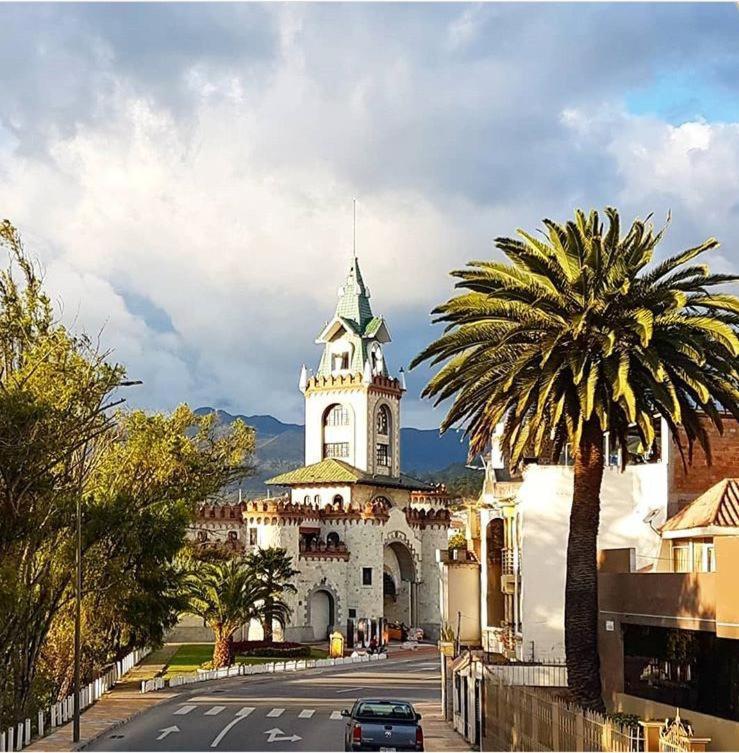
190 656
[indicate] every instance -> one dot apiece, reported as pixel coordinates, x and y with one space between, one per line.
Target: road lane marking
214 710
167 730
306 713
276 712
240 714
184 709
276 735
336 715
348 690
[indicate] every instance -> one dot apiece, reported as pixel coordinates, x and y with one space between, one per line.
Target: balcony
320 550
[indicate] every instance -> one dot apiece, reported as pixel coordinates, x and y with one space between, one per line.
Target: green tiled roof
328 471
333 471
354 302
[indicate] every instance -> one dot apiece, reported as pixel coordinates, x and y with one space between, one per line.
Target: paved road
294 711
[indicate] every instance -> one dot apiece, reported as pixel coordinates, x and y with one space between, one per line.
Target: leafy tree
580 334
274 569
136 478
226 595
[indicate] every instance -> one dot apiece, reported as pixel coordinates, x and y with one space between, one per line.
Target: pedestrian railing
20 735
239 670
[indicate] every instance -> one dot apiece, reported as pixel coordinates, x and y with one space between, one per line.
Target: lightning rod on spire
354 231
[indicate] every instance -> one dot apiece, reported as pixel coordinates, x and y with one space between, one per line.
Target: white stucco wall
544 504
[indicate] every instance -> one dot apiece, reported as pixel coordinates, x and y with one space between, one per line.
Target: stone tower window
383 420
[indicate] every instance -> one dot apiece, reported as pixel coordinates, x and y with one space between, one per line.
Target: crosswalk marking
276 712
245 711
306 713
214 710
184 709
336 714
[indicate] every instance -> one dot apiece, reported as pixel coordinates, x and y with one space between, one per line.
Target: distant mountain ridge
281 447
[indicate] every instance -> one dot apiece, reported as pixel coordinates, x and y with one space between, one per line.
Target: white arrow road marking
184 709
215 710
168 730
276 712
276 735
306 713
336 715
240 714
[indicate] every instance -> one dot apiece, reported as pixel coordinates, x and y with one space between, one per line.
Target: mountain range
424 453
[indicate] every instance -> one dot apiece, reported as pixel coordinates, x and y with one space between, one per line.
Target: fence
523 718
21 734
158 683
532 675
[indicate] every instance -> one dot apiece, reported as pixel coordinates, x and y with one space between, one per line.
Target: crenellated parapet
357 379
214 510
427 518
282 511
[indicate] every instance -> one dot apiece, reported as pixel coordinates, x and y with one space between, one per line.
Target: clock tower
352 403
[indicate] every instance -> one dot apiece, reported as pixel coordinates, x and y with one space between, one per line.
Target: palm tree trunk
581 590
268 632
223 650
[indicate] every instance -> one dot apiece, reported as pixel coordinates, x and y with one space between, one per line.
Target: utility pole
77 620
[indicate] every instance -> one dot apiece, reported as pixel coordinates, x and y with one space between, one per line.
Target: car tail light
419 737
357 733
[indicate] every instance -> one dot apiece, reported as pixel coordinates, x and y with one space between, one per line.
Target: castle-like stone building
363 535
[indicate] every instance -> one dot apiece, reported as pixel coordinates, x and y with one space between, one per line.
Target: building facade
363 535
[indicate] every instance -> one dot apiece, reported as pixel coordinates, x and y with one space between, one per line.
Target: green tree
137 479
226 595
580 334
274 569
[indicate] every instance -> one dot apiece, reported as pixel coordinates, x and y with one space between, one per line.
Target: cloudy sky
185 173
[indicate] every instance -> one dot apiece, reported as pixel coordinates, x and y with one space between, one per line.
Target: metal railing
21 734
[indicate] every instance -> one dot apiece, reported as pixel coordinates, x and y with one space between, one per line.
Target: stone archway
322 610
399 582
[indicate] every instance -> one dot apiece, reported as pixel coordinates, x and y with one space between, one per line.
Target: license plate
387 748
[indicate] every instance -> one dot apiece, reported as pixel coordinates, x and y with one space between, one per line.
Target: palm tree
274 570
577 336
226 595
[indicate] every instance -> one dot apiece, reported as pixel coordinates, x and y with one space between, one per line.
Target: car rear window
380 710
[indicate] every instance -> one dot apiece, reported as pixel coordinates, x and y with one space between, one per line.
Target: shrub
284 650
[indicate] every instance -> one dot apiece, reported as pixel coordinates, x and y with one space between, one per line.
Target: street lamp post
77 622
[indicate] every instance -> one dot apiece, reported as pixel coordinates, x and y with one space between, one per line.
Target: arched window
306 499
232 535
332 539
202 536
338 499
337 415
383 420
317 499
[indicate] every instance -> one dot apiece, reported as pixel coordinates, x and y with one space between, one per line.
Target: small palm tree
226 595
273 568
580 335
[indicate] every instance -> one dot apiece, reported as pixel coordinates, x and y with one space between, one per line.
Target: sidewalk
438 734
122 703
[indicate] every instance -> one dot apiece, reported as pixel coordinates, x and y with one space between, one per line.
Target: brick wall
685 487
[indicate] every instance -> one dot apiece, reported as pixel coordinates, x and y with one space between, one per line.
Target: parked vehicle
382 724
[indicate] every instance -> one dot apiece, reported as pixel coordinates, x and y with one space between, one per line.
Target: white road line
240 714
348 690
306 713
184 709
276 712
336 714
214 710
